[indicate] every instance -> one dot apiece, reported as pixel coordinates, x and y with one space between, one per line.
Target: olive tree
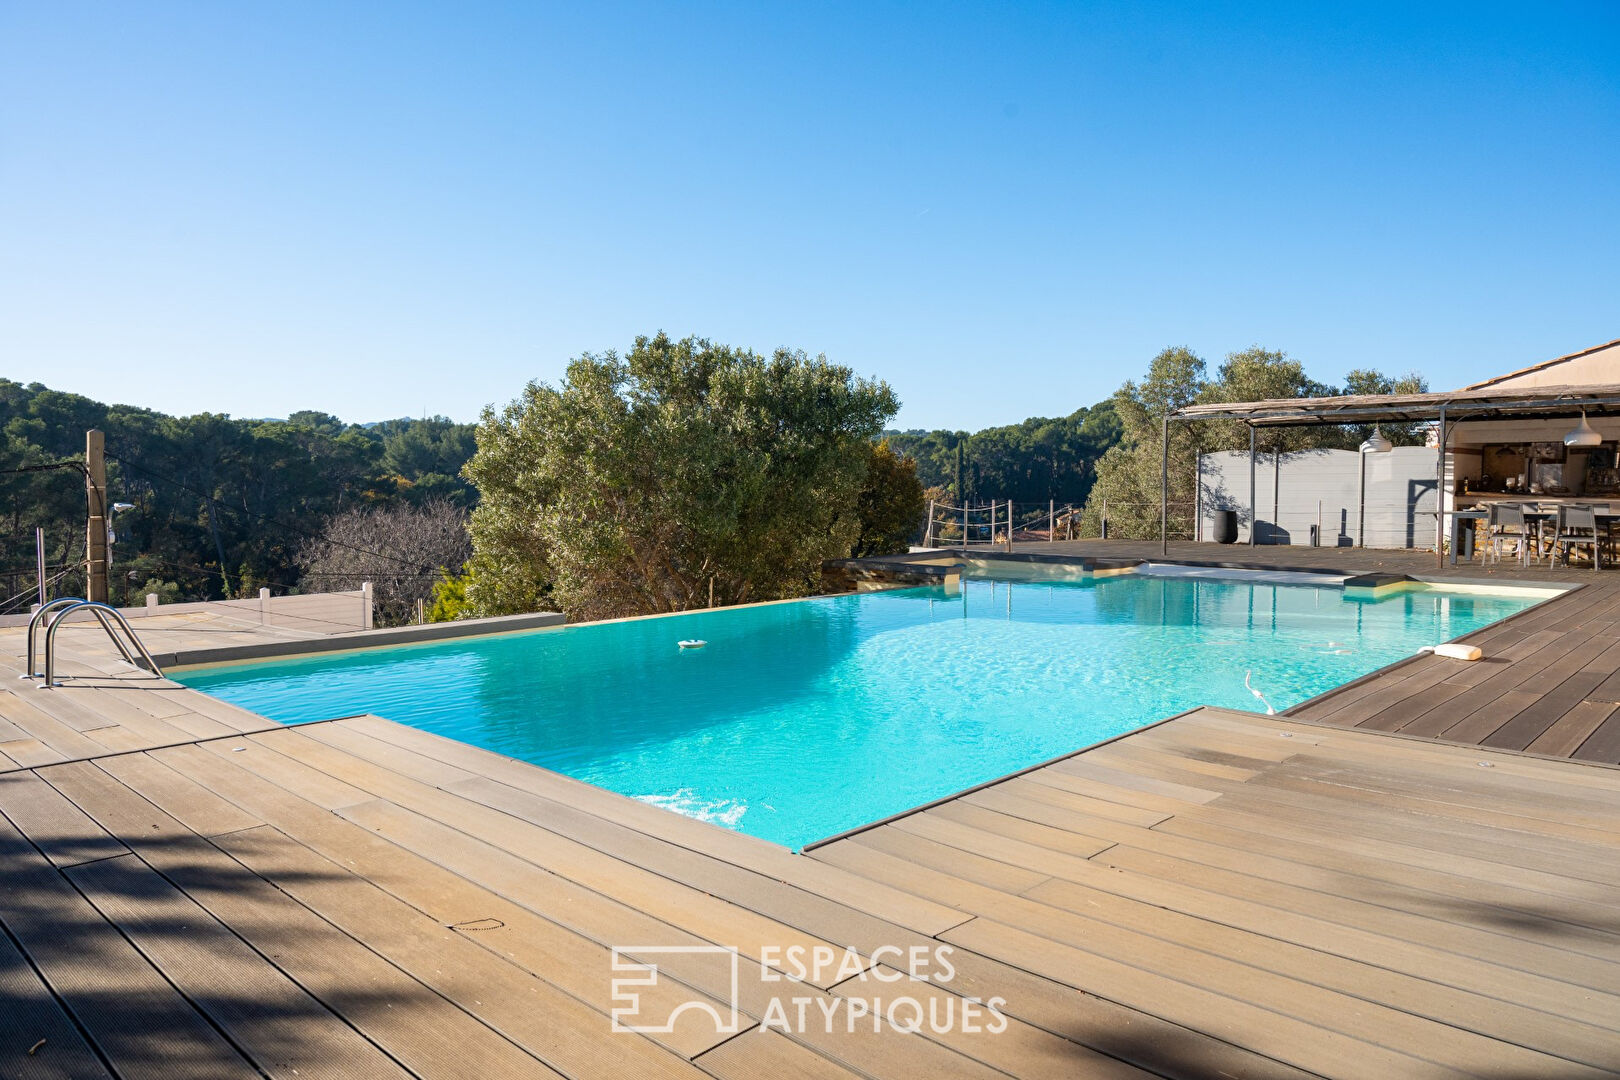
644 480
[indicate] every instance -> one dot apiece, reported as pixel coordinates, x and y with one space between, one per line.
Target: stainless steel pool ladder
112 621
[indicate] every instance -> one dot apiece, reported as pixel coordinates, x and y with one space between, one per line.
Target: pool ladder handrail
105 614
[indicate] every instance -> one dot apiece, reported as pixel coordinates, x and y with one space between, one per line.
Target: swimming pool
802 719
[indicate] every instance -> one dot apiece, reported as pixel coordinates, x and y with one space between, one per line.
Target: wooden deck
1549 683
187 890
1219 895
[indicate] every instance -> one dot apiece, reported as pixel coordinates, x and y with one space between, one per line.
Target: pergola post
1254 524
1164 488
1440 496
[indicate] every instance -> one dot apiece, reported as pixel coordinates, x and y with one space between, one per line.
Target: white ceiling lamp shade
1377 443
1584 434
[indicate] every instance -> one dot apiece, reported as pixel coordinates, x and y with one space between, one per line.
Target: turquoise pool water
802 719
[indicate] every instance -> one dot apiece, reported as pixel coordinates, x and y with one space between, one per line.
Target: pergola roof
1474 404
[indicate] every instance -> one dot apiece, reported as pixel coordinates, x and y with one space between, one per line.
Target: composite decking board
1075 793
38 1040
576 965
1540 683
441 847
1603 744
590 843
770 1057
52 823
1315 863
284 1030
125 1005
1320 795
1139 1035
1479 979
736 848
771 898
1459 944
553 1026
46 728
1114 927
1476 713
709 914
1286 1038
1021 1049
1268 731
1034 860
1432 833
1371 697
186 801
1595 819
1131 756
1063 841
1569 731
422 1031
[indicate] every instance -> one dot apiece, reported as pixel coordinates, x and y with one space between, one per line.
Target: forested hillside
1042 458
221 505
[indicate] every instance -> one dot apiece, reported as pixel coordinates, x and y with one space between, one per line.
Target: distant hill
1039 459
221 504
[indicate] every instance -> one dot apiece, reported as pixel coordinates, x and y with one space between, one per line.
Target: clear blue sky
1002 209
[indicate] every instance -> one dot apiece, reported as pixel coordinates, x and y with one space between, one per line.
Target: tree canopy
221 505
1128 476
642 479
1039 459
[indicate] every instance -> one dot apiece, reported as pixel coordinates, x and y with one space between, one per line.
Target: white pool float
691 643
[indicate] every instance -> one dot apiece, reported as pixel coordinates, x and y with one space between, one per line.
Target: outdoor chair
1506 530
1577 527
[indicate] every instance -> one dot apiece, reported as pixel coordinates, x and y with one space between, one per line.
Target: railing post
151 604
264 606
1104 533
928 530
365 605
1051 520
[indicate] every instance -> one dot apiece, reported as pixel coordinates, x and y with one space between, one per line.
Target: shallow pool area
802 719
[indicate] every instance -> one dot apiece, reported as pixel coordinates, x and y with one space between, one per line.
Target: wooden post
95 536
928 529
39 558
1009 526
964 509
1051 520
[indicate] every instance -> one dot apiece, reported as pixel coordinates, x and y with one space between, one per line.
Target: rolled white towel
1455 651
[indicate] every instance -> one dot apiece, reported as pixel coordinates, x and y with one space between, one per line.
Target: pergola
1442 409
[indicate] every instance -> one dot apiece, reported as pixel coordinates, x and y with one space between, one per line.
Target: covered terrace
1464 423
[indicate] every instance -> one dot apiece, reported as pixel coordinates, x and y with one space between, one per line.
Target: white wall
1296 491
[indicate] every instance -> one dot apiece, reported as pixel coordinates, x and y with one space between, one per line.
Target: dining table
1606 514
